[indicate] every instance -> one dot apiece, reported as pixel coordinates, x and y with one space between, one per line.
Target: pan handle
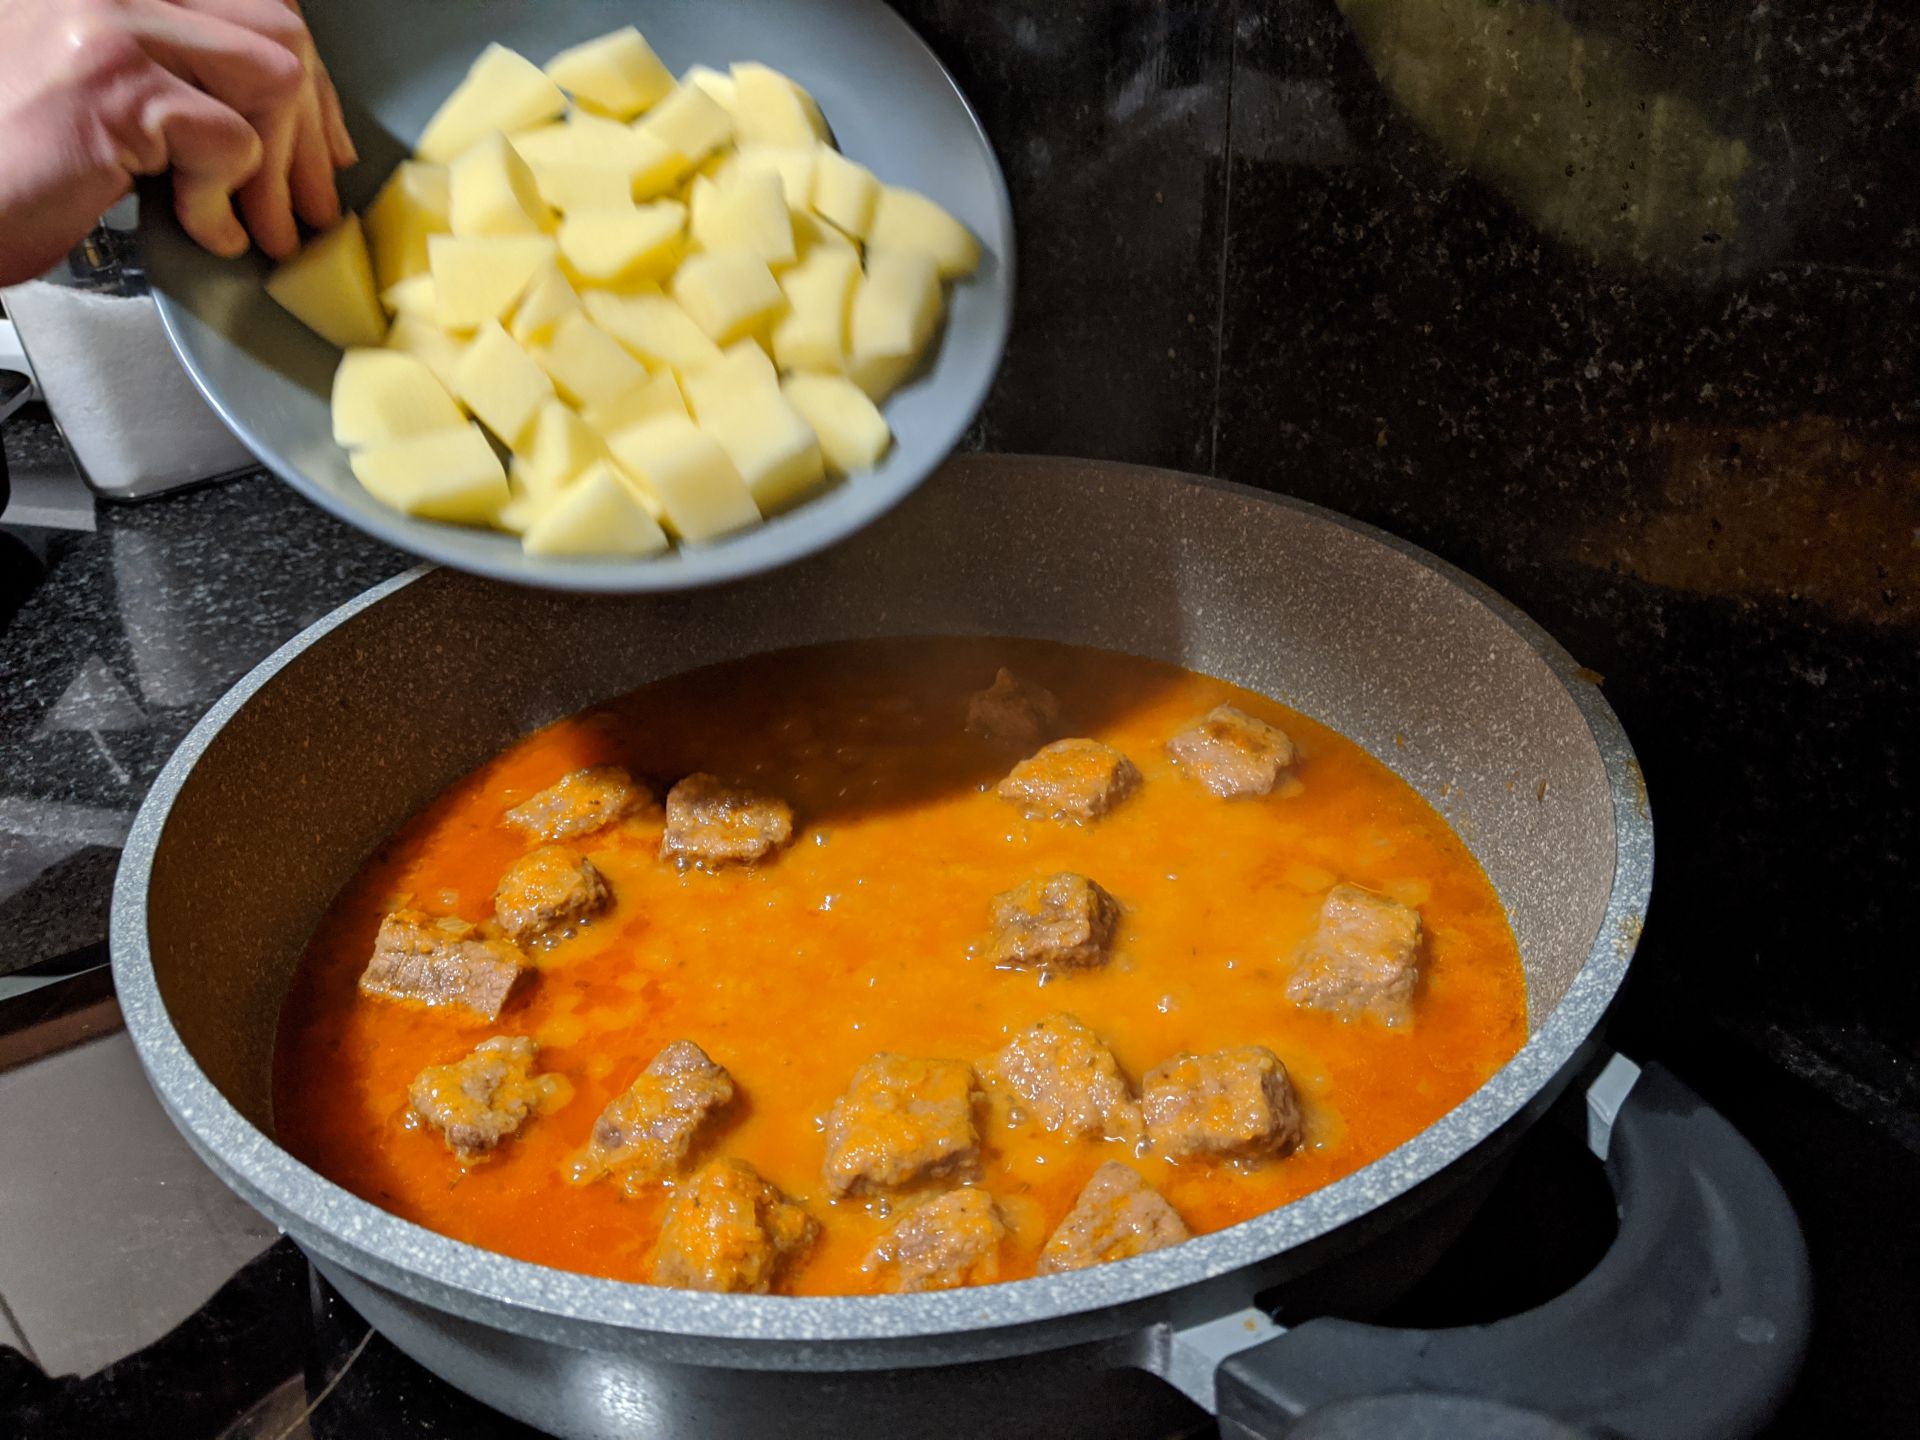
1693 1324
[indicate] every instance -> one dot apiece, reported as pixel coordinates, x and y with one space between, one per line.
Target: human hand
227 94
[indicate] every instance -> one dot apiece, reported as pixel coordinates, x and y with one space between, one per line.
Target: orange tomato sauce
857 939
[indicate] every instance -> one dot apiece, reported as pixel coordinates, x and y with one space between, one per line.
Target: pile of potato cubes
675 305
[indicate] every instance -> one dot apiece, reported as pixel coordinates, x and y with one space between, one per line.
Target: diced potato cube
545 144
383 395
904 220
434 347
567 186
812 334
844 192
617 75
444 475
746 210
588 366
494 193
599 514
771 446
414 203
588 139
412 296
602 245
719 87
562 445
475 280
853 433
896 308
548 299
653 326
701 495
502 385
811 233
743 366
689 123
659 396
518 514
727 292
503 91
794 164
328 287
770 109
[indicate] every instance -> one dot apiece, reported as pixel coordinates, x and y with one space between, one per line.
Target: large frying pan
1692 1325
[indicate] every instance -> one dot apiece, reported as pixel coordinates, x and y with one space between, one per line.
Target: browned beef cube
579 804
1233 754
644 1134
1230 1105
727 1229
441 961
1070 780
549 894
1117 1216
1068 1081
710 824
902 1122
1013 713
1064 922
950 1241
1363 958
478 1101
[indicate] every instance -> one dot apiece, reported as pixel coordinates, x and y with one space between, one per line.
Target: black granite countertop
1255 244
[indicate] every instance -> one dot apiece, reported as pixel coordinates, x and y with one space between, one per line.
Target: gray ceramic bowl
892 107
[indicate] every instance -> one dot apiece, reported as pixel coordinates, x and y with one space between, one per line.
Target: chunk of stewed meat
442 961
1070 780
549 894
481 1099
949 1241
580 803
902 1122
1117 1216
1068 1081
1363 959
710 824
1232 753
1061 922
1234 1104
727 1229
647 1130
1013 713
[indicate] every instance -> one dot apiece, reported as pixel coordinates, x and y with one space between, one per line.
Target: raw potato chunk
570 185
617 75
447 475
328 287
687 471
415 202
793 164
592 140
812 334
727 292
502 385
588 366
412 296
844 192
652 325
382 395
719 88
603 245
907 221
561 448
895 312
745 211
689 123
549 299
853 434
493 192
503 91
434 347
1117 1216
770 109
598 514
477 280
659 398
774 450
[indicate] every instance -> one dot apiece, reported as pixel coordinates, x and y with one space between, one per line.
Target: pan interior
331 752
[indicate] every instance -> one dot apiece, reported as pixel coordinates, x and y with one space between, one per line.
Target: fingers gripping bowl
892 108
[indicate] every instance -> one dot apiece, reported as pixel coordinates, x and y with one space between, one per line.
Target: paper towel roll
133 419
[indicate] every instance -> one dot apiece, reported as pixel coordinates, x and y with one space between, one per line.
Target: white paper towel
134 420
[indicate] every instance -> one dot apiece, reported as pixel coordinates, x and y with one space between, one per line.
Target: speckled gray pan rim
849 1331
